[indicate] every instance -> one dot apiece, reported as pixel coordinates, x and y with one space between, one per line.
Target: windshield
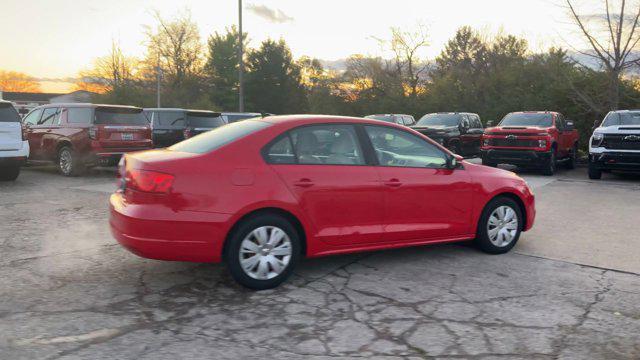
387 118
120 116
218 137
8 113
627 118
439 119
206 120
527 119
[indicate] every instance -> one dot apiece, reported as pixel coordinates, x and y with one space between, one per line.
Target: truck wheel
549 167
455 148
9 173
571 162
500 226
68 162
594 173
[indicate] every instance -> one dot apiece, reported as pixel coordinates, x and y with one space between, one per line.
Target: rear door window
49 116
281 152
327 145
77 115
119 116
8 113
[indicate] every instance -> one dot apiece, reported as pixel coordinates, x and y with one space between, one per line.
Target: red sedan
261 193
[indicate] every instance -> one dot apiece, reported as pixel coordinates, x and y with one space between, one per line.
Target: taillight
186 133
148 181
93 133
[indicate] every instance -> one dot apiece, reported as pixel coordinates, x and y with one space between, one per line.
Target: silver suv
14 147
615 144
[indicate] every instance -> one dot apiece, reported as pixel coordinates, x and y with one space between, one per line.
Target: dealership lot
571 288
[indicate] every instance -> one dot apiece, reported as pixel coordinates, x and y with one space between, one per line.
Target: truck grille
513 142
621 142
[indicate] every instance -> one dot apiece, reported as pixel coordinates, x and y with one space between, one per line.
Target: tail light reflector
148 181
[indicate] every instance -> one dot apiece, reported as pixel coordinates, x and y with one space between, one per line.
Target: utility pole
158 79
240 60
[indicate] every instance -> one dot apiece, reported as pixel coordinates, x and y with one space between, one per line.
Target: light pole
240 60
158 80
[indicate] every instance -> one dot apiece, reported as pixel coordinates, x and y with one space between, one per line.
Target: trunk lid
10 128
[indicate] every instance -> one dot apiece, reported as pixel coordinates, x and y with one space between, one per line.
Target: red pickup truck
539 139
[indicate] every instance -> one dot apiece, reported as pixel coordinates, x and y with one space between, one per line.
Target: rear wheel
500 226
594 172
571 162
9 173
549 168
263 251
68 162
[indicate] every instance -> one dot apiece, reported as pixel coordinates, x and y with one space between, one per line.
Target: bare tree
406 46
110 72
613 37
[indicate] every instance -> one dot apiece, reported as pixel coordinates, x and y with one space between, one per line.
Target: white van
14 148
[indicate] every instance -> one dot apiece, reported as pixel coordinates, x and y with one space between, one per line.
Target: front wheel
571 162
263 251
9 173
549 167
594 172
500 226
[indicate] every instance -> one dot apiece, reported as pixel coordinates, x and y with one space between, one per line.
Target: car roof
534 112
241 113
452 113
87 105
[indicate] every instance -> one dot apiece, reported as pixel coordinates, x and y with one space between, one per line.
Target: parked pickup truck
537 139
459 132
615 144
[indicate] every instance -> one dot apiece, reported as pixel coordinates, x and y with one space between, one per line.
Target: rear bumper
619 161
107 156
15 157
156 232
516 157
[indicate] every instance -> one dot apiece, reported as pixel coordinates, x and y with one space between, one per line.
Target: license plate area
127 136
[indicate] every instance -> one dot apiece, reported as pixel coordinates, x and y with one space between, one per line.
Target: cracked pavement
68 291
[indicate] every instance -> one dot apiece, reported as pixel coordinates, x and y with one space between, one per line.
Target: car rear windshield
218 137
120 116
629 118
527 119
8 113
206 120
387 118
439 120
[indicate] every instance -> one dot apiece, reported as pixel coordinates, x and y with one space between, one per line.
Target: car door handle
305 183
393 182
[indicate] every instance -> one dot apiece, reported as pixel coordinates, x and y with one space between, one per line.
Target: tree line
475 72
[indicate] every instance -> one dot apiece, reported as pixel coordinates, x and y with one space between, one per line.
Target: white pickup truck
615 144
14 148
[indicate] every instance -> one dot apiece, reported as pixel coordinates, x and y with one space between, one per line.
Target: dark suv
459 132
79 135
170 126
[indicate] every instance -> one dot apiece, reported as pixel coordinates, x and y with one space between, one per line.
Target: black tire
594 173
549 168
455 148
9 173
69 163
232 252
483 240
571 161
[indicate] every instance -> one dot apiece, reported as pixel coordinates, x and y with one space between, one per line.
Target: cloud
273 15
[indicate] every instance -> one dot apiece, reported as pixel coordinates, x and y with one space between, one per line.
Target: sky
54 39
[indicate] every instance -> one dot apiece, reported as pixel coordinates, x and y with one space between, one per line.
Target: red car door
339 193
30 122
423 199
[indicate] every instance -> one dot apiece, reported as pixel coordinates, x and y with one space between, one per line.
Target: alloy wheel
502 226
66 161
265 252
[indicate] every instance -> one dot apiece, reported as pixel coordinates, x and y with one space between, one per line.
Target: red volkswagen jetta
259 194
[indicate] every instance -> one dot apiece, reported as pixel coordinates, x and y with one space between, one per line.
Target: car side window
408 120
281 151
49 116
33 117
79 115
327 145
465 121
475 123
394 147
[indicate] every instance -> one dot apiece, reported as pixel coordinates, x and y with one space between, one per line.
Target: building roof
28 96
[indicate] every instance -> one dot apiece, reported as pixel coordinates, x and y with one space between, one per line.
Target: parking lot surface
569 290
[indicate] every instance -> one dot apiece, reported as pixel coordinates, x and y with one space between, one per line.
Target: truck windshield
439 119
8 113
627 118
203 119
527 119
120 116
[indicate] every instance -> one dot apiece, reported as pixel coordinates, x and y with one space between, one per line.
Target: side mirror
569 125
453 162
